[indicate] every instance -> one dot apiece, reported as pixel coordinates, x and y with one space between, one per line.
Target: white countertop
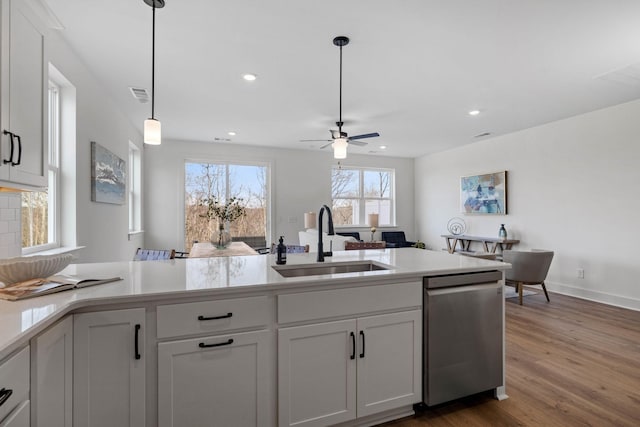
211 277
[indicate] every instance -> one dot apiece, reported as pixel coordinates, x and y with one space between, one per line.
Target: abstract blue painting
108 176
484 194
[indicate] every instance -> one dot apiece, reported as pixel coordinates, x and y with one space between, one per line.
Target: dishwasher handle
462 279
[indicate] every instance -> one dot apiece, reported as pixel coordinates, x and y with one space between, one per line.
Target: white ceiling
412 71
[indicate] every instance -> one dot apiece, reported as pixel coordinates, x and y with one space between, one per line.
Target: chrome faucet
321 253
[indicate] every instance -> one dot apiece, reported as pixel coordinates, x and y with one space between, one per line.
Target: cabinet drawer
212 316
348 302
14 380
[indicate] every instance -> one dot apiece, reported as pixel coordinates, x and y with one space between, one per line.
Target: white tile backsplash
10 229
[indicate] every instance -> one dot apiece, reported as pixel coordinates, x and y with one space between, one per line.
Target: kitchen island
271 327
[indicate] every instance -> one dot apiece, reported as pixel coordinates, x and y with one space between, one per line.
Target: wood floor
570 362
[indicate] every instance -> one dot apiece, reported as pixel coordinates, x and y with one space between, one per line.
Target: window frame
236 162
54 197
134 193
361 199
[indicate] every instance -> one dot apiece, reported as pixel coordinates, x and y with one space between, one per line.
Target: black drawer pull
203 345
362 335
353 345
5 394
226 316
137 349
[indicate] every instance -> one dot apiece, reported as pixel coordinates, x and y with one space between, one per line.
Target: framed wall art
484 194
108 176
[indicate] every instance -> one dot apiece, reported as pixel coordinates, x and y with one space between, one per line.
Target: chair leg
544 288
520 291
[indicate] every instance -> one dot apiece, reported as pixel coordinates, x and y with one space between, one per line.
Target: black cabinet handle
137 349
203 345
19 152
225 316
11 135
362 335
353 345
5 394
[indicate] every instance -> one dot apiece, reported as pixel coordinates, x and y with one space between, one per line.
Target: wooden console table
206 250
491 244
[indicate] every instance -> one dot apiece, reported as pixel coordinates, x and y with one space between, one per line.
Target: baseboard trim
596 296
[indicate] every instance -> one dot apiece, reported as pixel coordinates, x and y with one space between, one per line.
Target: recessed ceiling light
249 77
474 112
232 133
383 147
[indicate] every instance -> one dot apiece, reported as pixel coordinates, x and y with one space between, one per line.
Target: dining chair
291 249
527 268
154 254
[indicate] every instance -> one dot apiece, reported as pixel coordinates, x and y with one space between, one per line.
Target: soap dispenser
282 252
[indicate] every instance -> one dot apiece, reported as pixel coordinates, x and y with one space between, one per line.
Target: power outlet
580 273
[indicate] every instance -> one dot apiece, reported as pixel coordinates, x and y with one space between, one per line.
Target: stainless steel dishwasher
462 327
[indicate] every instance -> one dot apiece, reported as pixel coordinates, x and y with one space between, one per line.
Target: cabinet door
215 381
316 374
20 417
109 378
24 87
389 361
52 375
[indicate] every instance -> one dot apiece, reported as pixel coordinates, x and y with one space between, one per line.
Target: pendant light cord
153 62
340 123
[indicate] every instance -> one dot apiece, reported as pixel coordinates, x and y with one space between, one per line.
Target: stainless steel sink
302 270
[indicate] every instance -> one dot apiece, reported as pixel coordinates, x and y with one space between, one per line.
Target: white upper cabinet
23 89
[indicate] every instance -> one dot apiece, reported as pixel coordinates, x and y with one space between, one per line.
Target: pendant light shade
152 132
152 127
340 148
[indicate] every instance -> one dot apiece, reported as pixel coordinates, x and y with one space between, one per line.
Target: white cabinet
14 388
23 86
215 381
52 375
389 361
109 368
19 417
225 376
338 371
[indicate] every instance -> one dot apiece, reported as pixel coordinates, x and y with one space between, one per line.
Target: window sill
134 233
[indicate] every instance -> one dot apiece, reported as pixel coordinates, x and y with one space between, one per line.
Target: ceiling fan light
152 132
340 148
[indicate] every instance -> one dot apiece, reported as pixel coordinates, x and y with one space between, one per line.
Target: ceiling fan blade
359 143
365 135
316 140
326 145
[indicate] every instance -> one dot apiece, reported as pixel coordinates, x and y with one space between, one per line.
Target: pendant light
152 127
340 144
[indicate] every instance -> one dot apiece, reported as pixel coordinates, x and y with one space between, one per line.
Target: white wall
300 182
101 228
572 188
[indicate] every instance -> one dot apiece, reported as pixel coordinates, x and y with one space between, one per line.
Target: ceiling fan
339 139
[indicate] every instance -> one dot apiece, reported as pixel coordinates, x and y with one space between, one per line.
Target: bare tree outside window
223 181
357 192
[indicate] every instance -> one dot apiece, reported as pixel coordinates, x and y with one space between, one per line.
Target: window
40 210
357 192
224 180
134 196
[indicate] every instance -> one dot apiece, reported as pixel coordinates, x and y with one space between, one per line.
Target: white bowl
19 269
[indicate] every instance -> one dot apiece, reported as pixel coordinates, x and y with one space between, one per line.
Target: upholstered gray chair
527 268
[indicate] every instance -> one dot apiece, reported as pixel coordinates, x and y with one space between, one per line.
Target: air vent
140 94
221 140
480 135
